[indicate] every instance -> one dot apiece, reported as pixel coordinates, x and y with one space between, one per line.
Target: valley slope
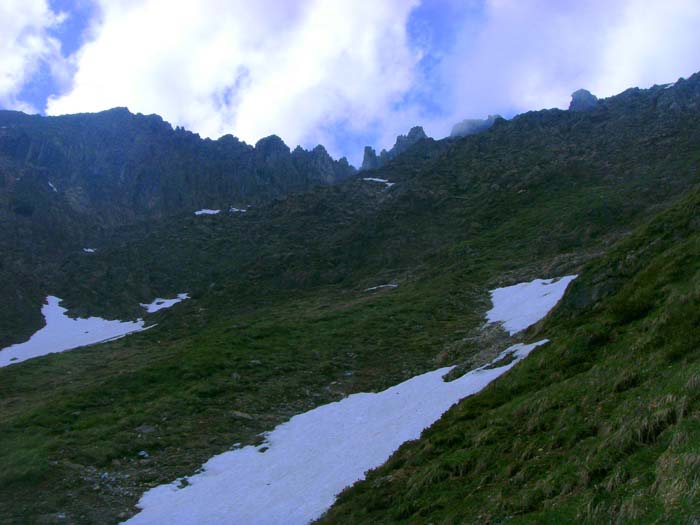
281 319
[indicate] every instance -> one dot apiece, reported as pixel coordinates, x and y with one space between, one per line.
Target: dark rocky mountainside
118 167
65 182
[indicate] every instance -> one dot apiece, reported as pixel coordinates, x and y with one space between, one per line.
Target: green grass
278 318
240 374
600 425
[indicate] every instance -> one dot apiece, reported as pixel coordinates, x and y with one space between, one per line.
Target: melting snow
62 333
381 286
233 209
53 187
206 212
89 250
160 304
304 463
295 475
372 179
522 305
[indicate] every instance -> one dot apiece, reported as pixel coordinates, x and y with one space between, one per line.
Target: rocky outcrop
583 100
370 161
320 163
471 126
403 142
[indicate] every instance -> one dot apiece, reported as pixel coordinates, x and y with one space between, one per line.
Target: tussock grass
602 425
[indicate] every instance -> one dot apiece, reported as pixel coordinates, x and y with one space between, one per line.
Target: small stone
143 454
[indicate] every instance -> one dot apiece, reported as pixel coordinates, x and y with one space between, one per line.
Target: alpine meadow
501 326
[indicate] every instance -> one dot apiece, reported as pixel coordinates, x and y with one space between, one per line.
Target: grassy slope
601 425
279 316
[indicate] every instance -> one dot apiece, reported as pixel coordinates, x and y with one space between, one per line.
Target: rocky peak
370 160
319 165
271 146
471 126
415 134
403 142
582 100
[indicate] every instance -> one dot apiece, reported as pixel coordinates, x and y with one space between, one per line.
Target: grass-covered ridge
601 425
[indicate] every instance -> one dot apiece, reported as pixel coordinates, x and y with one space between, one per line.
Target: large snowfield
295 475
62 333
304 463
522 305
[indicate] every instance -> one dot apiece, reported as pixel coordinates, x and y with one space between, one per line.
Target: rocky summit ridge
371 161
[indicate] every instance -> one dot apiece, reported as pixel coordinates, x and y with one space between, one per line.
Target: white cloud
251 69
306 69
25 44
532 54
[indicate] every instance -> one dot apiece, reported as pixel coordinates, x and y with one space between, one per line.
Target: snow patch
233 209
62 333
381 286
522 305
206 212
89 250
384 181
53 187
160 304
312 457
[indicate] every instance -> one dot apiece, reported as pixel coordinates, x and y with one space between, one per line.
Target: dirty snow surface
62 333
206 212
384 181
522 305
294 476
160 304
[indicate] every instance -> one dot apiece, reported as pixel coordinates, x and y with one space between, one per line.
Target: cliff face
121 167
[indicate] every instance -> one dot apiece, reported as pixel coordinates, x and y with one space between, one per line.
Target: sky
342 73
